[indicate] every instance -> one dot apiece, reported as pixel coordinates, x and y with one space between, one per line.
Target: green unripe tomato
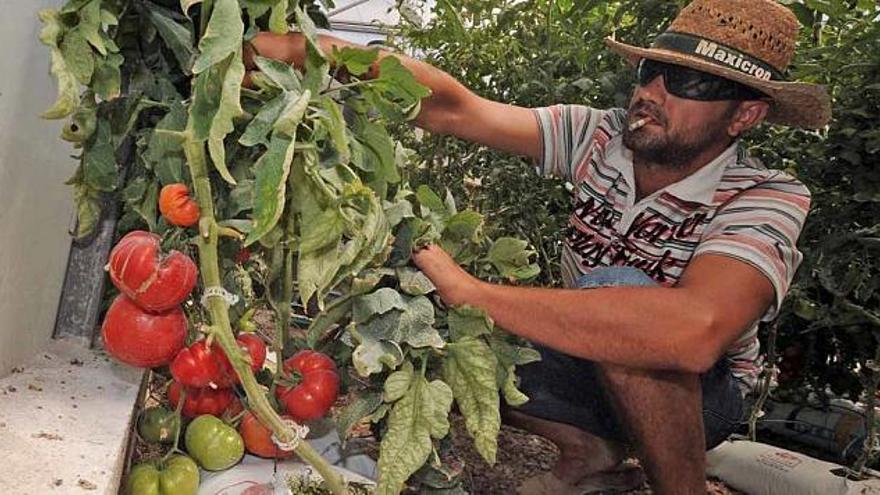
213 444
158 425
179 475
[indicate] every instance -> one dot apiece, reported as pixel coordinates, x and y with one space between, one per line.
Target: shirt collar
698 187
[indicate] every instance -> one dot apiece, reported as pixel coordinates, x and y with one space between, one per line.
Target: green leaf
414 282
178 37
280 73
99 160
468 321
377 303
398 383
414 325
223 36
511 257
78 56
379 150
356 61
316 66
463 226
271 172
107 79
331 116
241 198
324 231
146 203
512 395
228 109
167 137
364 404
397 212
68 89
88 209
470 370
429 200
293 114
90 26
372 354
395 79
278 18
186 4
257 131
421 414
326 319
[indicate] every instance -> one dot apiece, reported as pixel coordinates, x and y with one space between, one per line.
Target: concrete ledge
65 419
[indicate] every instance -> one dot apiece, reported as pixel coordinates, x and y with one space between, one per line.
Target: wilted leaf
280 73
78 56
271 172
68 89
470 370
421 414
222 37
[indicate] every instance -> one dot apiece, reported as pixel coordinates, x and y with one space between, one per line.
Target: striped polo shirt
733 206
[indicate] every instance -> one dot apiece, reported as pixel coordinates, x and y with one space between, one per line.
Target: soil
522 455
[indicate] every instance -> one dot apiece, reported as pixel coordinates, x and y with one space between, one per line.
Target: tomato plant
322 201
154 281
213 444
142 338
178 475
177 207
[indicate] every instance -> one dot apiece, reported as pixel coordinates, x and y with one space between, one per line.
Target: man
685 242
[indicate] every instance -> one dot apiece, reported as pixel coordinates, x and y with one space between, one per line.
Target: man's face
678 130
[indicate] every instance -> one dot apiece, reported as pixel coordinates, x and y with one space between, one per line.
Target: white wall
35 205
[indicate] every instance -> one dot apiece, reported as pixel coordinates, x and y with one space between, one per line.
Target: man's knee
624 378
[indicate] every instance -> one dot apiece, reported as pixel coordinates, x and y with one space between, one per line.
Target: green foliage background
542 52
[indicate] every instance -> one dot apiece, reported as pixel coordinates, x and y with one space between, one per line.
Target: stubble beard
670 149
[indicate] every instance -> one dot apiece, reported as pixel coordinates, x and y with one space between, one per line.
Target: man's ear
748 114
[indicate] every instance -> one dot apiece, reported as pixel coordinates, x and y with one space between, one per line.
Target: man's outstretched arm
685 328
451 109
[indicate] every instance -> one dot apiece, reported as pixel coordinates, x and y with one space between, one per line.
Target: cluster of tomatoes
146 327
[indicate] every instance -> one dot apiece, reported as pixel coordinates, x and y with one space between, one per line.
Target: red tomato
204 400
154 281
258 439
199 366
142 339
316 393
177 207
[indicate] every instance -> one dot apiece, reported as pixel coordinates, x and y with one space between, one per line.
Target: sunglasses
693 84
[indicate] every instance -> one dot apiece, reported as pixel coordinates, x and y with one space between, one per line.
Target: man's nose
654 91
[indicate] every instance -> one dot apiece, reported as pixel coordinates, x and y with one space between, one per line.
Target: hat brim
795 104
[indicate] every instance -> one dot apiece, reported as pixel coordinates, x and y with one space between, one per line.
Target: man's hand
454 285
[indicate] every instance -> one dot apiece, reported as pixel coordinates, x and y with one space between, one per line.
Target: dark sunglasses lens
696 85
648 71
693 84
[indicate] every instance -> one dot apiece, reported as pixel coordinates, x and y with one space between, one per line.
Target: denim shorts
566 389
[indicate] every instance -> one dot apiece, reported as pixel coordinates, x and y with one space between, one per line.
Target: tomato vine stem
222 329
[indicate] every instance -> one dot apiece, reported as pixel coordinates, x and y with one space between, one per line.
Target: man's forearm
629 326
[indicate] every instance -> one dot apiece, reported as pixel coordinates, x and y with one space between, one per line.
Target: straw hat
748 41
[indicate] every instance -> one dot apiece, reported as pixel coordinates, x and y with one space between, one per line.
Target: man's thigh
569 390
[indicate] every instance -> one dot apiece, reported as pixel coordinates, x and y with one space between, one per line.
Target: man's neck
651 176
